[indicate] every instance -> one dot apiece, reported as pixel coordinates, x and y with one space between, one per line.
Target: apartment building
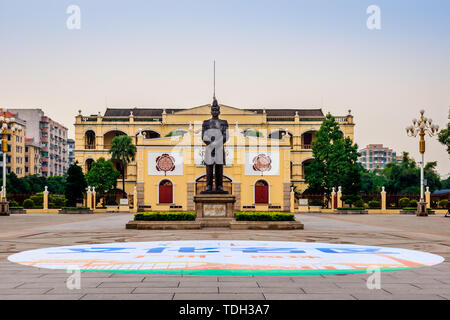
15 156
51 137
376 156
32 157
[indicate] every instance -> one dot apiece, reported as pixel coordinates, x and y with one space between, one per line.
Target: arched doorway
261 192
200 185
165 192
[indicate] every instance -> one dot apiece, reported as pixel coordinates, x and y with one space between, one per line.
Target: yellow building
32 157
265 156
15 156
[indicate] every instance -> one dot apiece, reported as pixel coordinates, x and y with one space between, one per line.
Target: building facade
265 156
32 157
15 157
51 137
376 156
70 151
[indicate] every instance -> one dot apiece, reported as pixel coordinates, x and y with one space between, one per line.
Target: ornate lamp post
7 125
422 127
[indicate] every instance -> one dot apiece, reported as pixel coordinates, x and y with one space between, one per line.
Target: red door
261 192
165 192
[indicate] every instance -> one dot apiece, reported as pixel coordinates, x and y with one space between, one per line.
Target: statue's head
215 109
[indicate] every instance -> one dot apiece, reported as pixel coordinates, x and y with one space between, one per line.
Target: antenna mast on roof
214 84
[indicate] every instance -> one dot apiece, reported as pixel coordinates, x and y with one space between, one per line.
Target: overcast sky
273 54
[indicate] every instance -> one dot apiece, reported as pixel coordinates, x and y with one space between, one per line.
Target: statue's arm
205 127
225 132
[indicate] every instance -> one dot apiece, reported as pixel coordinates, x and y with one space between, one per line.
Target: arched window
150 134
89 140
165 192
109 136
261 192
88 165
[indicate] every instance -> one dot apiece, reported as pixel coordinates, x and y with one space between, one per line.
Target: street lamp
7 125
422 127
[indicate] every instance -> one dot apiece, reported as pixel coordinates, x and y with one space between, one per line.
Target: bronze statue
215 135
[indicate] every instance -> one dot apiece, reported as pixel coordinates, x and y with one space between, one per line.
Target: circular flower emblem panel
165 163
262 163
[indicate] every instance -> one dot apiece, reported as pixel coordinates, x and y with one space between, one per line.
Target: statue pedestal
4 208
215 210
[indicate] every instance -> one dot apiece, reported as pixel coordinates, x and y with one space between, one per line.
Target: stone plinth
4 208
214 210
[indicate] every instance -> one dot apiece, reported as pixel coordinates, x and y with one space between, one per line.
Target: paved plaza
33 231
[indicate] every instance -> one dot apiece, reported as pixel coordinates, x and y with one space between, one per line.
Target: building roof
157 112
441 192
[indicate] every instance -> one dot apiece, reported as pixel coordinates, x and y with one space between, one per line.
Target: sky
272 54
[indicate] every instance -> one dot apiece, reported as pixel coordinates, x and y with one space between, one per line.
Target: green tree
334 162
124 151
37 183
56 185
76 185
103 176
444 137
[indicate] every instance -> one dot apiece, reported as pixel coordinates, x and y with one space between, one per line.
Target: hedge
75 208
410 208
374 204
353 208
16 208
165 216
264 216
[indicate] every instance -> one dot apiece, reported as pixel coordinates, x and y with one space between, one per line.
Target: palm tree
124 151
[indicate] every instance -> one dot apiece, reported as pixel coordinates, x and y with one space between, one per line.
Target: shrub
13 203
75 208
374 204
38 199
28 204
413 203
16 208
403 202
352 208
359 203
443 203
264 216
165 216
56 201
350 199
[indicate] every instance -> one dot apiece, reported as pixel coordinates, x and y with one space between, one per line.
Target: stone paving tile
223 296
192 290
19 291
51 285
363 296
148 284
274 296
260 290
106 296
56 291
275 284
10 285
42 297
252 284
